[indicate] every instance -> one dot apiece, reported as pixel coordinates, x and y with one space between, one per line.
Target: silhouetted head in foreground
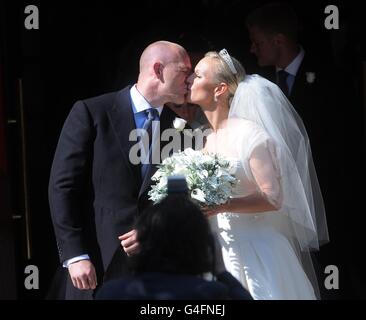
174 237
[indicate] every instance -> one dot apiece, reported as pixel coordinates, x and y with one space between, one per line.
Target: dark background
83 49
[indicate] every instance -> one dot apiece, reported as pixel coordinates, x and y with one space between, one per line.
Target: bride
276 216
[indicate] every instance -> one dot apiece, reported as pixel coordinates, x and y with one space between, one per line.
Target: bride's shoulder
246 132
243 125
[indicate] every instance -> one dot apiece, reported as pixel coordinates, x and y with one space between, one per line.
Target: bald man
95 191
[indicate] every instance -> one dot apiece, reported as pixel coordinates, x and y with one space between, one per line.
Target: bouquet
208 177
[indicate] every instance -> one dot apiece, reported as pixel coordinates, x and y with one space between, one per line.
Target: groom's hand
129 242
83 275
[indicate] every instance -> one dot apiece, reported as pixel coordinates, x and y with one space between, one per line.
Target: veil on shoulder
261 101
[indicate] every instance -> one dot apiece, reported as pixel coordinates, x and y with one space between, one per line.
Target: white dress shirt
292 69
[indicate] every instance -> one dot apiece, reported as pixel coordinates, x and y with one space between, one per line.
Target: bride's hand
210 211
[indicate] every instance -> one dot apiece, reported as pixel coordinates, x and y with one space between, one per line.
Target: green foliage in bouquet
208 177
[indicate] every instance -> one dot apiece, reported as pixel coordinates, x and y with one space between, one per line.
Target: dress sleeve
258 154
262 163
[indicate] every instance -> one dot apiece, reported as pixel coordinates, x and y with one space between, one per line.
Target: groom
95 191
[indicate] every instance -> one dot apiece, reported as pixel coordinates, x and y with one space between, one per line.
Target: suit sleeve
68 179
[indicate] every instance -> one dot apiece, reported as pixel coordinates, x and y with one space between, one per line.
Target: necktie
151 115
282 81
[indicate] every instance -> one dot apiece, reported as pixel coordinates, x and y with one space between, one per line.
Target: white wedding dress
258 248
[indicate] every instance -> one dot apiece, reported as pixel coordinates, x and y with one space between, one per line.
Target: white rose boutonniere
310 77
179 124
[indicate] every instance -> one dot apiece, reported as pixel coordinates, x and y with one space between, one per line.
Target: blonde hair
224 74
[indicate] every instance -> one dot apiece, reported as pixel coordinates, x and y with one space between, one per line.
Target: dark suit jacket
329 110
95 193
164 286
321 105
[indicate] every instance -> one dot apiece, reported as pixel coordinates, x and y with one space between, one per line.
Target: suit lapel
299 83
123 122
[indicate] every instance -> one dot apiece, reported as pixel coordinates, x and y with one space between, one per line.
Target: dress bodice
245 185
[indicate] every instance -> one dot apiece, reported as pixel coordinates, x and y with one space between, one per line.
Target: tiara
226 56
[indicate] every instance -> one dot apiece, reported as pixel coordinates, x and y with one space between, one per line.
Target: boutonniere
310 77
179 124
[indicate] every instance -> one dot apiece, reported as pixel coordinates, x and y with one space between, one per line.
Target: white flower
310 77
180 169
198 195
189 152
163 182
179 124
208 177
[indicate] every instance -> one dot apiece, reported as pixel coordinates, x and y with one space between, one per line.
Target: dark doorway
85 49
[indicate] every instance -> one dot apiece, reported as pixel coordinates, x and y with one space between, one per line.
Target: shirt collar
294 66
139 103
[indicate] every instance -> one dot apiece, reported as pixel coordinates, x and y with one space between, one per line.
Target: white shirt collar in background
294 66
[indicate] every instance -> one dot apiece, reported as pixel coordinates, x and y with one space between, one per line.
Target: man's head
273 29
164 68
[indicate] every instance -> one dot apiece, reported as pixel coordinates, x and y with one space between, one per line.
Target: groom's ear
158 70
